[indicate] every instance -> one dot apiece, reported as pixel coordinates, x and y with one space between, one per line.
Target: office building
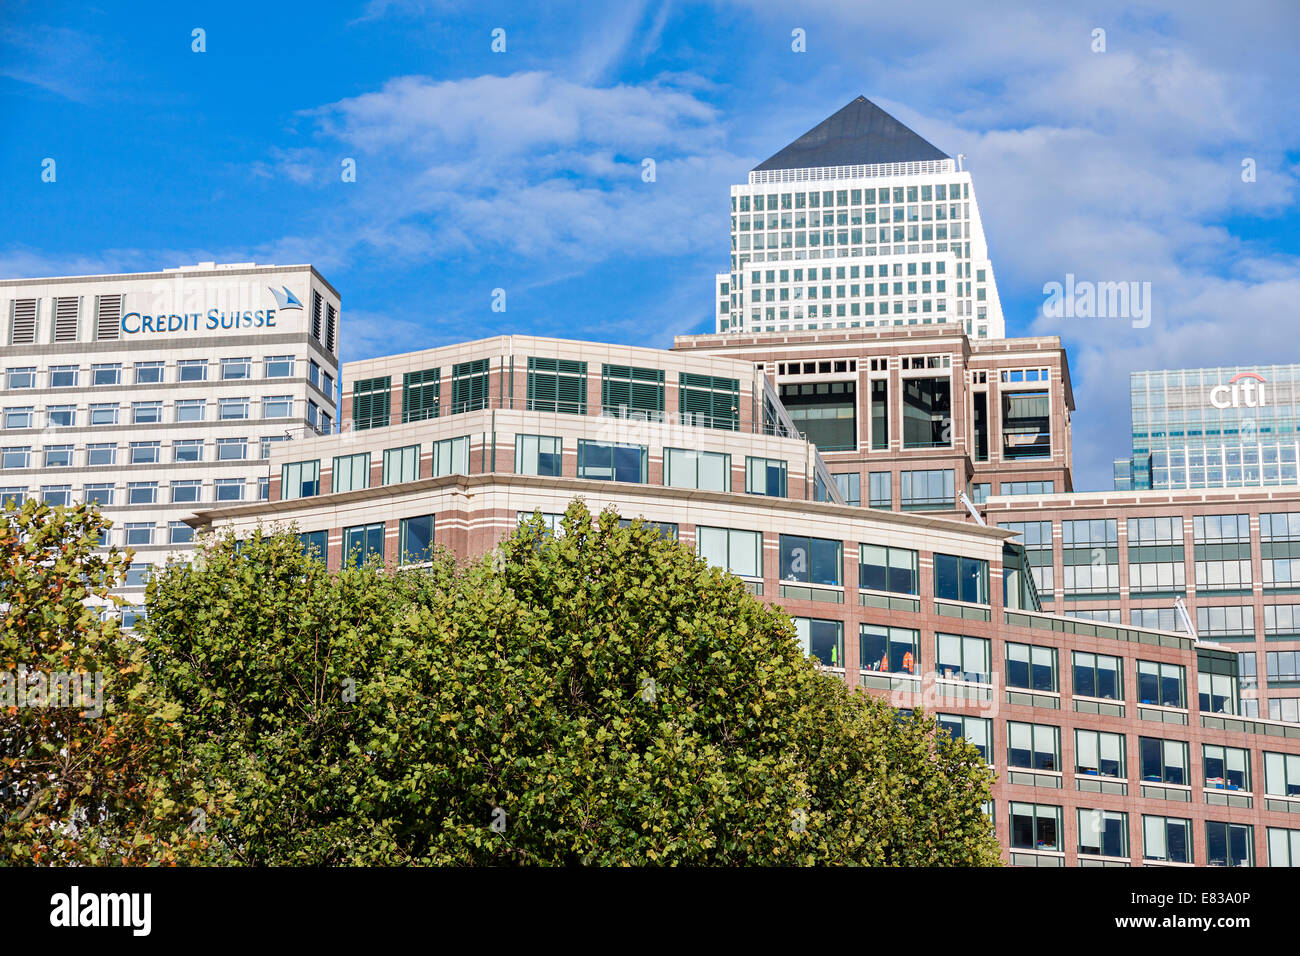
1213 428
1125 557
858 223
1114 744
907 419
157 393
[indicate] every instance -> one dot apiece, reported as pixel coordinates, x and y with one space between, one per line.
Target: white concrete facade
893 244
158 394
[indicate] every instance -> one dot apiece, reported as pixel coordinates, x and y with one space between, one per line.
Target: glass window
961 579
192 370
1226 768
63 376
891 650
927 413
1229 844
105 375
932 490
963 658
1032 667
1098 675
888 569
1167 839
229 489
103 414
1103 833
451 457
189 449
765 476
1035 827
20 417
609 462
362 541
299 479
58 456
821 639
145 452
1033 746
1098 754
101 454
277 406
1163 761
184 492
191 410
139 534
232 408
880 490
811 560
20 378
98 494
15 457
146 413
1222 552
415 539
1282 666
1162 684
706 470
55 495
740 552
976 731
1217 693
849 486
1281 775
401 464
539 455
314 544
236 368
148 373
1283 847
351 472
232 449
178 532
137 576
279 366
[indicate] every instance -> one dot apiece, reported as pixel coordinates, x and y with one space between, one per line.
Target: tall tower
859 223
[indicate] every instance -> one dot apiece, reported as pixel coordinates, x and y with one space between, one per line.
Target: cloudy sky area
522 170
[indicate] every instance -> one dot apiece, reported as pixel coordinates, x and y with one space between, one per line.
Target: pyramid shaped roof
860 133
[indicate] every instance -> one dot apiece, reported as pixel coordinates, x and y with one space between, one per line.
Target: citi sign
1244 390
133 323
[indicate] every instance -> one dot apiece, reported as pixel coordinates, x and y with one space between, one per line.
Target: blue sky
522 170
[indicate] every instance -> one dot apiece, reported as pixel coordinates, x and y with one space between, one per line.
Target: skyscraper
1235 427
858 223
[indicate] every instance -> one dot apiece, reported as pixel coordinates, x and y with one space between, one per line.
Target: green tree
86 744
596 696
280 669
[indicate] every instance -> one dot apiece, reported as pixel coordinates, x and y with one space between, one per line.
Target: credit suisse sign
136 323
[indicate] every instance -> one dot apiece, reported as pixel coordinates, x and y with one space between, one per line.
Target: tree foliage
595 696
87 746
